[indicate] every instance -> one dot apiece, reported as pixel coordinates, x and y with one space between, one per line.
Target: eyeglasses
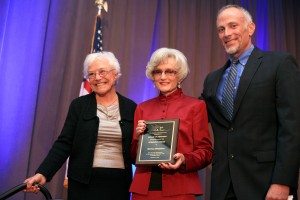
167 72
102 73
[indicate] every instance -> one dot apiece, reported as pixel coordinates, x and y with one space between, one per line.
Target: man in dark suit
257 136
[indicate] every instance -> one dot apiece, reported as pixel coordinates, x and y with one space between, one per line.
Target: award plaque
158 143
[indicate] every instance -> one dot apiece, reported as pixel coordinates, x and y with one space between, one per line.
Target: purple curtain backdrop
43 45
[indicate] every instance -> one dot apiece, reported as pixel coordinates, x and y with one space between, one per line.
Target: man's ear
251 28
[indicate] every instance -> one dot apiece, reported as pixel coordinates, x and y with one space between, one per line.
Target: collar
175 95
243 58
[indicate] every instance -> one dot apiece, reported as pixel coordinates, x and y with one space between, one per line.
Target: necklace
110 112
105 100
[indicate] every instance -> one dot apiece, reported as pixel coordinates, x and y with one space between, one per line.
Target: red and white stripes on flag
85 87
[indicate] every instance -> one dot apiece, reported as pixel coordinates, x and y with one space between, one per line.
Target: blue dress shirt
243 58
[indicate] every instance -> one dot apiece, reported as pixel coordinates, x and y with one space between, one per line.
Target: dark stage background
43 45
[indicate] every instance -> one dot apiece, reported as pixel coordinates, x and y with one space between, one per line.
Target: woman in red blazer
167 68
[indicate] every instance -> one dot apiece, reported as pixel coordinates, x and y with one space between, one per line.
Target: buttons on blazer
231 156
230 129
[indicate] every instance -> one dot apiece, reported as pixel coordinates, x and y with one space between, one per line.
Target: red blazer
193 141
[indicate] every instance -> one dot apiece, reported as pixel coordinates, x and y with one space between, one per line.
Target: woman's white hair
160 55
104 55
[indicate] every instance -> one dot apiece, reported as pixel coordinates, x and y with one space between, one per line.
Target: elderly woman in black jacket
96 137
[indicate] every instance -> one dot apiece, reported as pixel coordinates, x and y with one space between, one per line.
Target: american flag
85 85
95 47
97 37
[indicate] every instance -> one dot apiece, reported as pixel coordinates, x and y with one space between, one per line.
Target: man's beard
232 50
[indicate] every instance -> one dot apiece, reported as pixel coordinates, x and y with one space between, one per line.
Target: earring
178 85
154 86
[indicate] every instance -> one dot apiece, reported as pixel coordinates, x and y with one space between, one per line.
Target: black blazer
79 136
261 145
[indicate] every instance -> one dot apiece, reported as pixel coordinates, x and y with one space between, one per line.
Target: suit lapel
213 94
251 67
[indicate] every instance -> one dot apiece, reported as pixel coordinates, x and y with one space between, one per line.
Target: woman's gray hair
104 55
160 55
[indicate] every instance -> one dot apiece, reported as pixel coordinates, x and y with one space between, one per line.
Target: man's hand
278 192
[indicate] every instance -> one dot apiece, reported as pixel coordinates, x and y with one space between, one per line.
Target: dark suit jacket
79 136
262 143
